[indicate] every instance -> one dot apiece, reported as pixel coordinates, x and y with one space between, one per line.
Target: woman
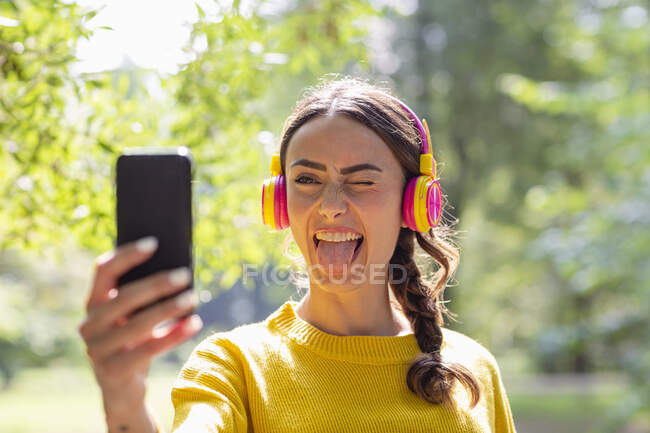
365 349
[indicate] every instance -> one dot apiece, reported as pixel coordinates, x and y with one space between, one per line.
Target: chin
337 282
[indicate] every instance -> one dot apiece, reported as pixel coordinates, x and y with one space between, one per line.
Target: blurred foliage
61 134
540 114
221 113
44 161
39 310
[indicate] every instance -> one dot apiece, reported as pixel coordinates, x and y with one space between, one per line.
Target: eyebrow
346 170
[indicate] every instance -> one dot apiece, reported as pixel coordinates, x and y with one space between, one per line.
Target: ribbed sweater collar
356 348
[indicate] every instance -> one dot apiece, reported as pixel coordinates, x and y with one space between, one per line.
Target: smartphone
154 198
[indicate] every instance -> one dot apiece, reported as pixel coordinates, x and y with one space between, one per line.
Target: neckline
369 349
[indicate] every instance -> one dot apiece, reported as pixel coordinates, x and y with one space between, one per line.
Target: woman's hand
121 345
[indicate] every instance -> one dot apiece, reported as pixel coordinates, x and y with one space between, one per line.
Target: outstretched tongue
336 254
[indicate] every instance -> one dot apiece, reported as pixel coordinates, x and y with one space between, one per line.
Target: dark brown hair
429 376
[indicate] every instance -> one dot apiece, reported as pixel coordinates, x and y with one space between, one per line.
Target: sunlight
149 33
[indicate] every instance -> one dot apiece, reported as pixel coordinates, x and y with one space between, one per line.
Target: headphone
422 202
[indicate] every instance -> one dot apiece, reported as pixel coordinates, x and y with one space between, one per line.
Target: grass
562 409
67 399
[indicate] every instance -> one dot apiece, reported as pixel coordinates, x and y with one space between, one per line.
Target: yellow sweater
285 375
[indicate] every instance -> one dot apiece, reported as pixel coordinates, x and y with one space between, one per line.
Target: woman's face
342 177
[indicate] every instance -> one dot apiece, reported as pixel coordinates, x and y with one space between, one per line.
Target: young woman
365 349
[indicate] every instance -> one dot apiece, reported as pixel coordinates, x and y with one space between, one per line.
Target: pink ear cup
280 214
408 204
276 201
433 203
281 203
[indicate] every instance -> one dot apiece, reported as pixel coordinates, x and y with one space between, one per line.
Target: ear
403 225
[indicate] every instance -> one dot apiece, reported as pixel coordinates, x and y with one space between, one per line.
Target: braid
430 377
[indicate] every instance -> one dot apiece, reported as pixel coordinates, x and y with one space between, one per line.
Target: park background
540 121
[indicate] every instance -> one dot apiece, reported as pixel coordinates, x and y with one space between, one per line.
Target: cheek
383 205
382 215
297 205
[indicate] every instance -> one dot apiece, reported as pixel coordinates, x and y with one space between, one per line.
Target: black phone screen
154 198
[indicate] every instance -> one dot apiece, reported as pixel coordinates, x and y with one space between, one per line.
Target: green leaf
54 80
104 145
200 11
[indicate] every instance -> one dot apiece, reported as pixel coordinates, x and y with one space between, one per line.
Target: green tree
40 172
539 112
593 207
61 134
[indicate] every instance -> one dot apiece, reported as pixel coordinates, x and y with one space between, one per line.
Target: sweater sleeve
209 394
503 421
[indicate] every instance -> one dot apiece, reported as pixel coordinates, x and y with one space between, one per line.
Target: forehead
340 141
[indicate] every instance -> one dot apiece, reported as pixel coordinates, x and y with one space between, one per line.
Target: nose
333 201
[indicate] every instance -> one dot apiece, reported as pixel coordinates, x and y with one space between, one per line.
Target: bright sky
150 32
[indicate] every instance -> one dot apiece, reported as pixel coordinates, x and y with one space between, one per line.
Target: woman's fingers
173 336
123 364
139 327
111 265
132 296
